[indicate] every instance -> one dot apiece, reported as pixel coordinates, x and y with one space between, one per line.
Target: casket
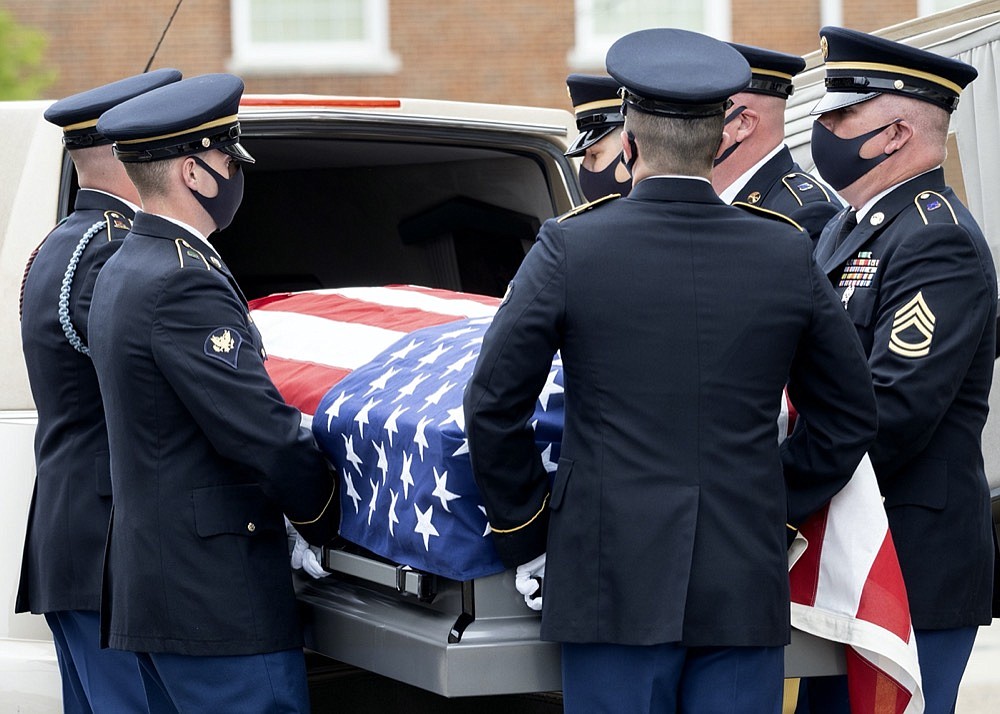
382 372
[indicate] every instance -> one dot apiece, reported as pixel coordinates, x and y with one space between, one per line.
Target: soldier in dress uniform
916 277
755 166
679 318
599 119
71 504
206 456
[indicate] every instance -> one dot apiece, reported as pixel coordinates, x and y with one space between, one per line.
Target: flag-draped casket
381 373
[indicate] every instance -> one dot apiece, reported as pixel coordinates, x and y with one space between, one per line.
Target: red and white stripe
847 587
313 339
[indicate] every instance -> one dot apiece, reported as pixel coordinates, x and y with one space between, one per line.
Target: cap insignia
824 47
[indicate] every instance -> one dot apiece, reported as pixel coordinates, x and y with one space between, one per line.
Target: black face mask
726 154
630 163
223 205
839 160
596 184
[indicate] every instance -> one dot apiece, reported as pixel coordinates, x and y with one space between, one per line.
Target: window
306 36
929 7
600 22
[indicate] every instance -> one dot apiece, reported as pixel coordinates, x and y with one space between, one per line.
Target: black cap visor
237 151
226 139
838 100
585 139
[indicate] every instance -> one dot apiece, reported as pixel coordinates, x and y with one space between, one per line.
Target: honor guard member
206 456
661 540
755 166
599 119
71 505
915 275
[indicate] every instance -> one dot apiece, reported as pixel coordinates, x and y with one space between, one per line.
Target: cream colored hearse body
333 180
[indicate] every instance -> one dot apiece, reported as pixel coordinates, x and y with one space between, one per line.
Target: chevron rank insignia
223 344
912 328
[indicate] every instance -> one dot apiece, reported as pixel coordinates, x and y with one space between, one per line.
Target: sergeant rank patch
223 344
912 328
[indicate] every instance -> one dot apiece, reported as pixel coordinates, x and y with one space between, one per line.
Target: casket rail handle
414 582
403 579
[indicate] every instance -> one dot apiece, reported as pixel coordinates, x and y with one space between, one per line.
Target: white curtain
976 124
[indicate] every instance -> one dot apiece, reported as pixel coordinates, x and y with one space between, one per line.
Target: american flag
394 426
332 352
316 338
846 586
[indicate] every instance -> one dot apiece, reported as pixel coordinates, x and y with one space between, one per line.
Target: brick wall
513 52
867 16
91 43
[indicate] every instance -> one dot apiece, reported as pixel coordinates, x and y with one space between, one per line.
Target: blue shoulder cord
67 284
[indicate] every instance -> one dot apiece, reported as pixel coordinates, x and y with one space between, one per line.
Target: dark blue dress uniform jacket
919 283
679 320
205 457
71 503
782 186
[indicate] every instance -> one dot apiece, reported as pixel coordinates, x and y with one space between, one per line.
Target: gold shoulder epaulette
117 222
189 256
934 208
587 206
804 188
767 213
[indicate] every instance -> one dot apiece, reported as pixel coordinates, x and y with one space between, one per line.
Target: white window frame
370 55
591 49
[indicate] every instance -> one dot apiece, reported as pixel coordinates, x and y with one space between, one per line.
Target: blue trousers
661 679
271 683
93 680
943 656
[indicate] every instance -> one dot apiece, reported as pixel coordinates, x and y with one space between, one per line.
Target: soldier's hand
304 556
528 581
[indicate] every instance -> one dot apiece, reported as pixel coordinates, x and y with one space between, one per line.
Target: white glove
528 581
304 556
797 549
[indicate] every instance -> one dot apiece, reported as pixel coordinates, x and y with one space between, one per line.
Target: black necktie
849 224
